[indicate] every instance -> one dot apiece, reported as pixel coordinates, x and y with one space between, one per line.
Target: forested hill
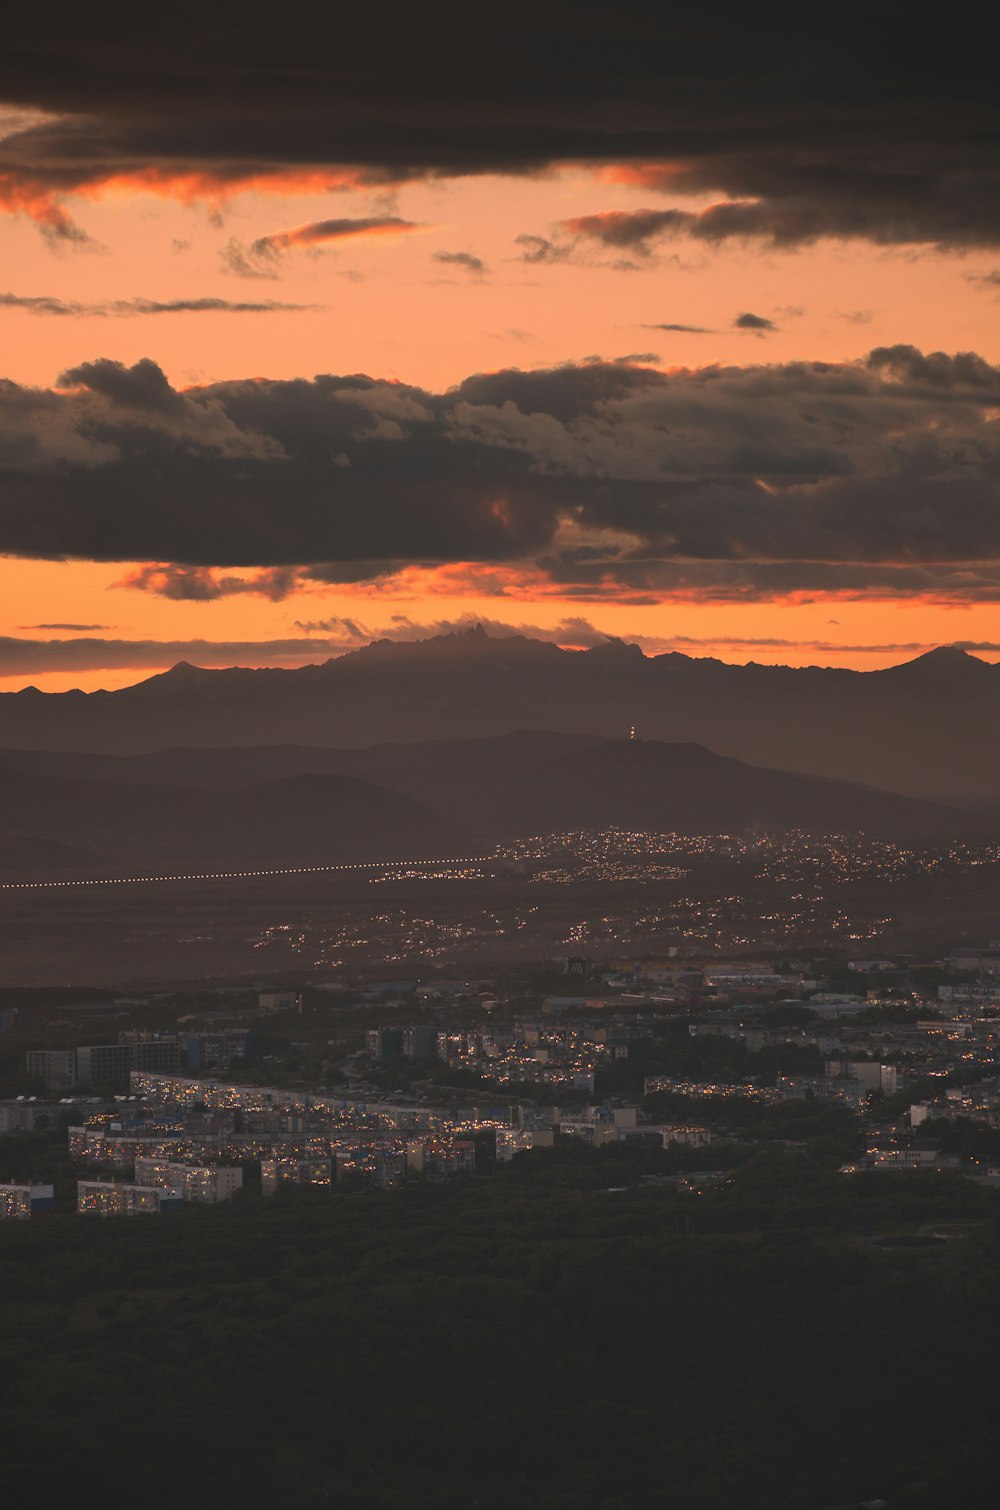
563 1337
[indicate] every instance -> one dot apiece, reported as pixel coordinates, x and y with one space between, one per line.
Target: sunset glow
421 270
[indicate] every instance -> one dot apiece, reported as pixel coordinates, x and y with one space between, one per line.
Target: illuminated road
241 875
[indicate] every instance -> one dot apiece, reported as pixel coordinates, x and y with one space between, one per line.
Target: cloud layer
840 122
23 657
46 304
877 476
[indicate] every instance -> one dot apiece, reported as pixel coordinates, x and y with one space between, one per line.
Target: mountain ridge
926 728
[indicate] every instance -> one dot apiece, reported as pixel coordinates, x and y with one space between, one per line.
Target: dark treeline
546 1338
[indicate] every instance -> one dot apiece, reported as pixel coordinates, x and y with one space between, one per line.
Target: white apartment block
203 1184
110 1198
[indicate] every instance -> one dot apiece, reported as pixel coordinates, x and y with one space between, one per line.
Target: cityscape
675 1054
499 796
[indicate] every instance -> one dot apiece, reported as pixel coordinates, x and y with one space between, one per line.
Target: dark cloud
540 249
986 280
629 359
200 584
355 632
647 582
571 632
29 657
71 628
736 642
512 333
786 202
142 388
783 203
757 323
633 230
808 123
257 260
880 475
687 642
464 260
238 258
318 232
45 304
687 330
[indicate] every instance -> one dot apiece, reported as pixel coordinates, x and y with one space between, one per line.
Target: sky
602 321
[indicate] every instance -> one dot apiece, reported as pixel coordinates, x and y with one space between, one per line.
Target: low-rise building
382 1164
112 1063
387 1043
279 1001
685 1136
275 1173
21 1202
514 1140
217 1051
55 1068
592 1133
439 1158
883 1156
111 1198
27 1114
205 1185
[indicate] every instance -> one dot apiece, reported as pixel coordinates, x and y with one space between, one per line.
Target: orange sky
384 304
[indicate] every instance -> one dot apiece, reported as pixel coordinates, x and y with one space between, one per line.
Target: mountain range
926 728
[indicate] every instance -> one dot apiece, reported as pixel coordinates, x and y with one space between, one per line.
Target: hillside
297 820
438 797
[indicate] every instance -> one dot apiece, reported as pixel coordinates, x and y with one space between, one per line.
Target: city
606 892
499 797
704 1062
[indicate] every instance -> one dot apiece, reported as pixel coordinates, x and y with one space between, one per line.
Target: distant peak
947 655
622 649
947 665
178 679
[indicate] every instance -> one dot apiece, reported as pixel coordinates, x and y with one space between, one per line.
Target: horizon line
479 632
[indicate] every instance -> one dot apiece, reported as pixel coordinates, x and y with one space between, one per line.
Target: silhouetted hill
927 728
945 669
298 819
439 796
424 766
686 788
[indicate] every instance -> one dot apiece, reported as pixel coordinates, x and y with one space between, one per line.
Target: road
239 875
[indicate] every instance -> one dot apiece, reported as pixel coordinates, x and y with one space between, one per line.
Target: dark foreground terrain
794 1340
